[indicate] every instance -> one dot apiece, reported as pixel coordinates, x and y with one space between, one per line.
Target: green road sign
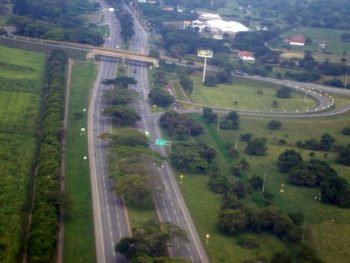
147 133
161 142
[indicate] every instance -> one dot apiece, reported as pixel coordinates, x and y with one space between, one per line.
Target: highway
110 220
169 202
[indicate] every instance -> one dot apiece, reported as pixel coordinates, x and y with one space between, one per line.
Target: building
322 44
208 16
246 56
295 40
218 26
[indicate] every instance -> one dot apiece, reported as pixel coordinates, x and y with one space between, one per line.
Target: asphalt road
110 217
169 202
110 220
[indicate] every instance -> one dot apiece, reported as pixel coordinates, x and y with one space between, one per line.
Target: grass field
329 239
331 36
19 114
79 243
139 215
242 94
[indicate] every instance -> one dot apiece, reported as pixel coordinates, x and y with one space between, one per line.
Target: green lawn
79 243
331 36
242 94
19 114
329 239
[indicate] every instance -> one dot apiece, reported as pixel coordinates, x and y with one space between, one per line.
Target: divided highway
110 218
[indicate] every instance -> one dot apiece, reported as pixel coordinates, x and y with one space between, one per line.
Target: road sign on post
205 54
161 142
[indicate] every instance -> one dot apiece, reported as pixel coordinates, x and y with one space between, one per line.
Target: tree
297 218
218 184
302 175
256 146
160 97
346 131
326 142
281 257
190 157
150 242
134 188
121 82
122 115
187 83
273 220
335 191
343 154
232 221
274 125
284 93
209 115
289 159
256 182
230 121
246 137
308 254
180 126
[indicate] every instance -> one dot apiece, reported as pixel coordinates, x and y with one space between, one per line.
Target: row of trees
55 20
47 195
334 189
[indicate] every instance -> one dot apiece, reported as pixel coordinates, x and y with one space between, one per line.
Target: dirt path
65 120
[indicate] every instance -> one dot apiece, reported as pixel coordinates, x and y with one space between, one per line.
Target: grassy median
79 242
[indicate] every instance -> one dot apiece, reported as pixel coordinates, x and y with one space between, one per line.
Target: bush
257 146
248 242
346 131
180 126
256 182
246 137
274 125
288 159
218 184
160 97
284 93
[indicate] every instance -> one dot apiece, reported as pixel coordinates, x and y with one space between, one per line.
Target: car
135 71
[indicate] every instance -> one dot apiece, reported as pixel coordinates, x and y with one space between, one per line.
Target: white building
229 27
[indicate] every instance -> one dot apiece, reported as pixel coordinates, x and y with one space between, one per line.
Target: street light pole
207 239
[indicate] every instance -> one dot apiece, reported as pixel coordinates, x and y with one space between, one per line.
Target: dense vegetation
20 89
319 13
47 197
150 243
56 20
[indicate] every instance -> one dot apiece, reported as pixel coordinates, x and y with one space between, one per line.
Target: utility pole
204 69
263 186
218 128
303 238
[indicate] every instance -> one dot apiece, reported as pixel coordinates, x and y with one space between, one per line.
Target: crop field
21 76
327 227
79 243
243 94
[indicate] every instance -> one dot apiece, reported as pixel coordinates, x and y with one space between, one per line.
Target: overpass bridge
92 51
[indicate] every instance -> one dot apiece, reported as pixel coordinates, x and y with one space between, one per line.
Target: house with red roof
246 56
295 40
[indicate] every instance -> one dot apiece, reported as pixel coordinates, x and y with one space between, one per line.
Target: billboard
205 53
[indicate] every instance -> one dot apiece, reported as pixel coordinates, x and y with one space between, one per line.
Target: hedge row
47 196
